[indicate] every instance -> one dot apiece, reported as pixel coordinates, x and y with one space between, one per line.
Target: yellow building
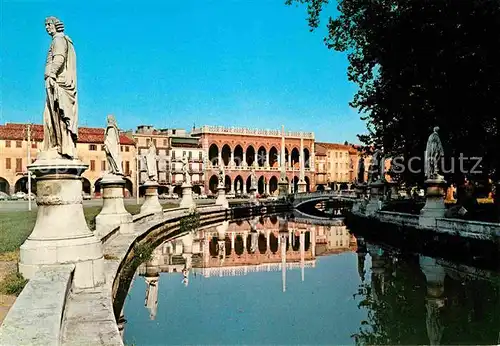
14 157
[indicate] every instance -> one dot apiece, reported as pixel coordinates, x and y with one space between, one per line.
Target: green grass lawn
16 226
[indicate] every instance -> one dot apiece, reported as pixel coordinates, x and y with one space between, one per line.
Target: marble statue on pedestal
221 176
185 170
151 162
253 179
433 154
376 169
60 116
112 147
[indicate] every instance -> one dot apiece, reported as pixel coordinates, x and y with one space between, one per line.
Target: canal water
280 281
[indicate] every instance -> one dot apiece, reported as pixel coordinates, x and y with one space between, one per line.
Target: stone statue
433 154
185 170
253 179
112 147
375 172
221 176
361 170
151 162
60 116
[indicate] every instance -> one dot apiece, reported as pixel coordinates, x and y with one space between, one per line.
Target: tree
420 64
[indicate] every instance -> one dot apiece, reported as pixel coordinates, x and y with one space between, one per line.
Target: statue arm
59 51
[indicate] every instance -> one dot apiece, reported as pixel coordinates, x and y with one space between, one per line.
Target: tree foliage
420 64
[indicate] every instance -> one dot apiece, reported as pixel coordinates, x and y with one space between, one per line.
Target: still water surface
226 285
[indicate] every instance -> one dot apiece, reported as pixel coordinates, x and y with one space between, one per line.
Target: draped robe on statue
151 163
61 107
112 148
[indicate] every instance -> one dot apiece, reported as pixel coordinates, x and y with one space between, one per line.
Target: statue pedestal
282 188
151 202
360 190
376 196
434 205
187 196
113 212
61 234
301 186
394 190
221 197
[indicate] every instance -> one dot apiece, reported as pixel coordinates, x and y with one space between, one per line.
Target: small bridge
300 199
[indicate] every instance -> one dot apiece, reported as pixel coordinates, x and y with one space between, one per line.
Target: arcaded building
14 157
240 149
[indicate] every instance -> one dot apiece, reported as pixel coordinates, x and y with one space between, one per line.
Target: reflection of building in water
333 239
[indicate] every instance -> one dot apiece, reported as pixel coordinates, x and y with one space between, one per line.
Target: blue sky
178 63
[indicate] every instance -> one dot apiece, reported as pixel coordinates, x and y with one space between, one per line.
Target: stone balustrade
468 228
401 219
252 132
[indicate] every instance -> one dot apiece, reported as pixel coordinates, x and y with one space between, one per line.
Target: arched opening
273 157
308 184
273 219
261 156
227 183
22 185
249 242
162 189
197 189
320 188
273 185
295 242
178 190
295 184
4 186
248 183
307 241
238 245
213 155
212 247
343 186
262 243
306 158
226 154
238 185
86 186
295 158
261 220
129 188
250 155
97 188
273 243
238 156
287 157
261 186
228 246
212 183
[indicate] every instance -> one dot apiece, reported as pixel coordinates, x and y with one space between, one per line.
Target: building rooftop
17 132
337 146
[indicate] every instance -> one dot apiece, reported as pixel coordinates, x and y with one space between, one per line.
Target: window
336 165
103 165
148 140
102 147
92 165
121 147
19 144
336 154
7 144
173 132
341 242
33 145
173 154
92 147
127 167
183 153
190 155
127 148
201 156
7 163
164 142
122 166
19 165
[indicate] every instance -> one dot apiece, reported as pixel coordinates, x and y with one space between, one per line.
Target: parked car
18 195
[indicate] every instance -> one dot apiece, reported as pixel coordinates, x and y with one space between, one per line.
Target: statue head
53 25
436 129
111 120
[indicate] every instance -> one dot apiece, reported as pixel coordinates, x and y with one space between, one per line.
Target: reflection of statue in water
60 116
185 170
433 154
151 162
112 147
254 241
433 320
361 170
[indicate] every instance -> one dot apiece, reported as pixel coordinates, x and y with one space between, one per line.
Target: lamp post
137 173
28 163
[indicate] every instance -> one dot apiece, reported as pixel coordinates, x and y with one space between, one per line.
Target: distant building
14 157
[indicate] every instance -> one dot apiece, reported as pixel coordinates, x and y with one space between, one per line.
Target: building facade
171 146
241 149
14 147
